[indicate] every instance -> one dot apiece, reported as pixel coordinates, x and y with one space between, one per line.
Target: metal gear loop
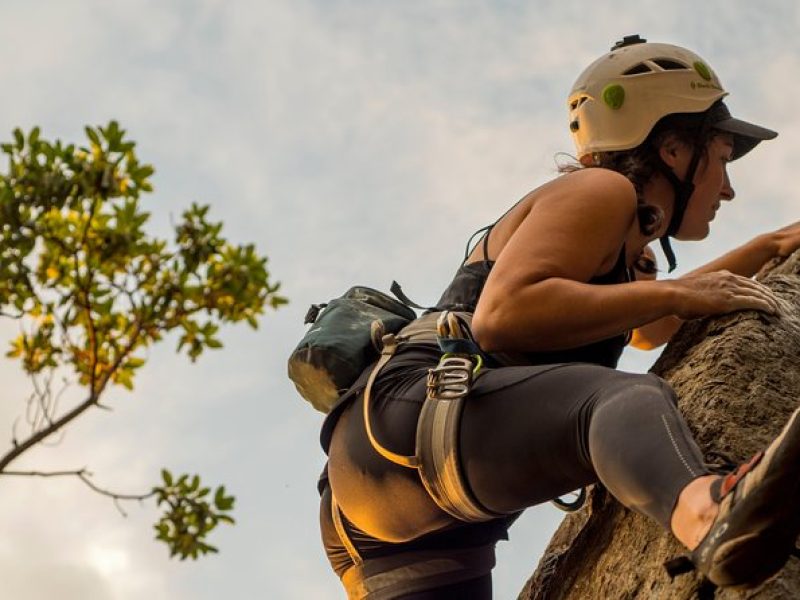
451 378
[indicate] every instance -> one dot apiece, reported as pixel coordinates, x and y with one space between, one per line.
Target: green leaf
92 135
134 362
166 476
189 519
219 495
226 503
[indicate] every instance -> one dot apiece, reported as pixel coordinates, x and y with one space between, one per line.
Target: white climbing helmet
617 100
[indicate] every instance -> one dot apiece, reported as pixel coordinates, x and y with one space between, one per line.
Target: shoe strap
724 485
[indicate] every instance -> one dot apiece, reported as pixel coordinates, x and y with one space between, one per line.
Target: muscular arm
569 314
537 296
747 259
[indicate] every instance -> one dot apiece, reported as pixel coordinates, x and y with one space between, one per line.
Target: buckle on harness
451 378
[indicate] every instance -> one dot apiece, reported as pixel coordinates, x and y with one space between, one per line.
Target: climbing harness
448 386
449 383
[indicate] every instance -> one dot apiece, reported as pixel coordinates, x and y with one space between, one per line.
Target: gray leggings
528 434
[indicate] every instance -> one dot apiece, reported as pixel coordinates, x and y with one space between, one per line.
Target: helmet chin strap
682 192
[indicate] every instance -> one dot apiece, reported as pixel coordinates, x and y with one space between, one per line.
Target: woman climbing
552 296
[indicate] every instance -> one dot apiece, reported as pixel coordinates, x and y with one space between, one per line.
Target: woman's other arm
746 260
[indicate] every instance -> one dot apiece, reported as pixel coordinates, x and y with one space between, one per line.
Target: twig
44 405
85 476
129 293
12 315
40 435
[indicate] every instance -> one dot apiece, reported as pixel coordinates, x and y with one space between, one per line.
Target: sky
354 142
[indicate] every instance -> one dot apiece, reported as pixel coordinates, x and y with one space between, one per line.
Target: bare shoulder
598 184
593 195
574 228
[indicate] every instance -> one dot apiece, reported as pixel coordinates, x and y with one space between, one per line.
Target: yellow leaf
16 348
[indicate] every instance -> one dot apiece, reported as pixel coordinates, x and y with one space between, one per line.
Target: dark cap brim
746 136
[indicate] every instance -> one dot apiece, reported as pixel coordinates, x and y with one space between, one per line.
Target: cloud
65 542
25 581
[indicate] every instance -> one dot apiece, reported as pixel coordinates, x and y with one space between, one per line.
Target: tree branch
85 476
44 433
124 290
93 342
96 389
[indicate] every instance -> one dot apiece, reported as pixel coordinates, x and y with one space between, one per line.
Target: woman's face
711 187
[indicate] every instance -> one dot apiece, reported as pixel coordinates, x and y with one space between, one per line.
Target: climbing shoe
759 516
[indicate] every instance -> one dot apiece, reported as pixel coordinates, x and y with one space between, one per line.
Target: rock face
738 380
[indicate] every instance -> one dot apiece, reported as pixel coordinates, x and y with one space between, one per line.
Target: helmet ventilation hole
578 102
640 68
664 64
670 65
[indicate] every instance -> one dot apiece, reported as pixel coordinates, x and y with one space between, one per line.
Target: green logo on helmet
614 95
702 70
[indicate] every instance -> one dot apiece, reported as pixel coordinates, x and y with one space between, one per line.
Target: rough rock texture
738 379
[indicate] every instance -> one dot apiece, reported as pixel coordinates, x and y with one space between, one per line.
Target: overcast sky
354 142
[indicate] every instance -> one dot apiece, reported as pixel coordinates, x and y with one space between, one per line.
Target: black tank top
462 294
465 289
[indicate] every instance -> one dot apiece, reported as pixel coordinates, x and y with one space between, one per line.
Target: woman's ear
671 150
651 218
